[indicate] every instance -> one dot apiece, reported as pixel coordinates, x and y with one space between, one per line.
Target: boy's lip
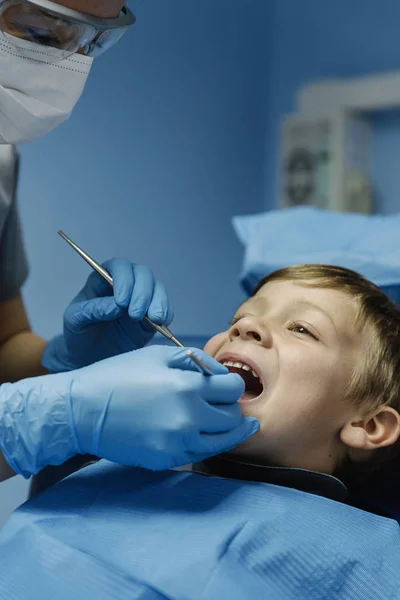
235 357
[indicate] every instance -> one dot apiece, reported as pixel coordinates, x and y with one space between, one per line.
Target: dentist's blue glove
102 322
145 408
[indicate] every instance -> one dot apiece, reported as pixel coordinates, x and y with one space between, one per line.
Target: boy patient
319 350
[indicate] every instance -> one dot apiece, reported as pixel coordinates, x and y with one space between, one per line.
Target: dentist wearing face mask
94 389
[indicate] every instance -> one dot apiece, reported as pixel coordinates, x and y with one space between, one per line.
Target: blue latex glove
102 322
145 408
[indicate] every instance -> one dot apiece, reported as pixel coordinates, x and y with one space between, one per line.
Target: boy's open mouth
251 378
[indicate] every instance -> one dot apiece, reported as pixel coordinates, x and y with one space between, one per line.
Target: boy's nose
251 329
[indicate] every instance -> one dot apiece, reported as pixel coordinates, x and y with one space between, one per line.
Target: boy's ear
377 430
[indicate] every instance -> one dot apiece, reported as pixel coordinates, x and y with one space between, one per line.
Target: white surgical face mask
38 91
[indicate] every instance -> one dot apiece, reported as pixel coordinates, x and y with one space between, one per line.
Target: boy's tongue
253 384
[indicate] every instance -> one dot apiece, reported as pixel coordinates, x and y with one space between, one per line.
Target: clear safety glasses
53 25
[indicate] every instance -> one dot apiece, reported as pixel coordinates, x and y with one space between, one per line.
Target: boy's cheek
215 343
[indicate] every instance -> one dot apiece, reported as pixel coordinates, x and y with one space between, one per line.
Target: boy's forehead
278 290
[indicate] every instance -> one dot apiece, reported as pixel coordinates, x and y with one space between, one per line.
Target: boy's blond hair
376 379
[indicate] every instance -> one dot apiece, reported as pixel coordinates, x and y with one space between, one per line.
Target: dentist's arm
99 323
20 349
20 353
148 408
145 408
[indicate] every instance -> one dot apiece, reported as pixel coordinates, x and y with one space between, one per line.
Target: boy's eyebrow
309 304
294 303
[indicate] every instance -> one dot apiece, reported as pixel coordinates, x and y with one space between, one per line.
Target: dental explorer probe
163 329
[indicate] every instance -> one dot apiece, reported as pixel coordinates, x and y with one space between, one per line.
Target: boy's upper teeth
239 365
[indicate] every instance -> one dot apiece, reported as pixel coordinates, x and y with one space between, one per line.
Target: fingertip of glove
158 317
239 380
254 425
137 314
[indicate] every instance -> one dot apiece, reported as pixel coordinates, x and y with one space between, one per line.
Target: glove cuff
36 427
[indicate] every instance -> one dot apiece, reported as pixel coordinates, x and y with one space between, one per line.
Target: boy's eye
234 321
237 318
298 328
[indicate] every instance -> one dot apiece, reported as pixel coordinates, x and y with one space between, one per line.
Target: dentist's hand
145 408
162 413
102 322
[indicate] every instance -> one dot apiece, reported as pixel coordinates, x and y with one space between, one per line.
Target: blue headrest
368 244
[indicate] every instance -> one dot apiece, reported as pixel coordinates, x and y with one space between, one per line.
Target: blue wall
313 39
164 147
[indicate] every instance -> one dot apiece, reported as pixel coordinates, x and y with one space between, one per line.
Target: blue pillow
368 244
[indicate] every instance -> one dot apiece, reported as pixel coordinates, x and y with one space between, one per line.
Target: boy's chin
247 449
